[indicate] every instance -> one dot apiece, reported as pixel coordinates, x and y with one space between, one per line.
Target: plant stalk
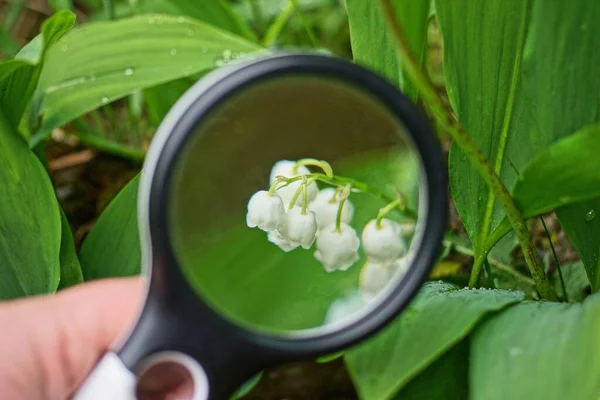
445 117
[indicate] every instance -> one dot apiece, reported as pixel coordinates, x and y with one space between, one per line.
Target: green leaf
214 12
563 173
160 99
538 351
439 318
19 76
29 220
70 270
483 44
112 248
108 60
576 281
372 44
446 379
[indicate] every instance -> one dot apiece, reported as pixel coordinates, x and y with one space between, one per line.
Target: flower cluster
295 212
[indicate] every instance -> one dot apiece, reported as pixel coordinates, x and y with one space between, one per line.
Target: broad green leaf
576 281
19 76
372 43
565 93
29 220
483 44
445 379
112 248
538 351
111 59
439 318
214 12
70 270
565 172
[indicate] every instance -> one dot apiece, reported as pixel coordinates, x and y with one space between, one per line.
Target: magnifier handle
110 379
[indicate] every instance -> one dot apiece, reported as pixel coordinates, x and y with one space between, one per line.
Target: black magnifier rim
399 107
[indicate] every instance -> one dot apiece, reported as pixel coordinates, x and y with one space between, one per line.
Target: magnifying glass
290 207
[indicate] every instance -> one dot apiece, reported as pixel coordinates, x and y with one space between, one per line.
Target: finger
50 343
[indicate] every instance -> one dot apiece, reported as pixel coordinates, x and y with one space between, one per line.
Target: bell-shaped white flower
288 169
383 243
325 206
276 238
375 276
337 250
298 228
265 211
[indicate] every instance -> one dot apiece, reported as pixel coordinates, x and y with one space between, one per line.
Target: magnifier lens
294 204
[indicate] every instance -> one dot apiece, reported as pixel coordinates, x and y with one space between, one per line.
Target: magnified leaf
29 220
215 12
112 248
108 60
19 76
373 45
483 53
439 318
538 350
70 270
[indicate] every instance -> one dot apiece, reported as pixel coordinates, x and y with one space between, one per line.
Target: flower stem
398 203
324 165
298 192
444 116
304 198
338 218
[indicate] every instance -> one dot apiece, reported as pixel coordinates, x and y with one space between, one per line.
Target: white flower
299 229
286 168
383 243
265 211
337 250
276 238
374 276
325 206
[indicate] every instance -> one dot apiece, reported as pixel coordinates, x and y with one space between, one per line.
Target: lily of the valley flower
375 276
265 211
299 228
276 238
383 243
289 169
337 249
325 206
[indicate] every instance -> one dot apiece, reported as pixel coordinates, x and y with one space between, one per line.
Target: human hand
49 344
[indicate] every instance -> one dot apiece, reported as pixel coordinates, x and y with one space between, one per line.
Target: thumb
49 344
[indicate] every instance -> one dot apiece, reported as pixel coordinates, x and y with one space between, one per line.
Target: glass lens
294 204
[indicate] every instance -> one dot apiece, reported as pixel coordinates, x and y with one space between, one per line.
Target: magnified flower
265 211
384 242
375 276
337 250
298 228
343 308
325 206
276 238
289 169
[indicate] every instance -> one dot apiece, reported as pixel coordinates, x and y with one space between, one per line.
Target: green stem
304 198
306 25
277 26
495 263
257 14
398 203
100 143
488 271
443 114
360 186
338 217
560 274
298 193
109 9
324 165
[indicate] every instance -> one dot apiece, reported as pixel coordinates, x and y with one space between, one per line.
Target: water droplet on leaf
104 99
173 52
64 48
128 71
180 20
590 215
